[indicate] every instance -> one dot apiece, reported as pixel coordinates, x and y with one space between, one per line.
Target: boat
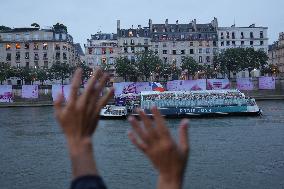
113 112
199 103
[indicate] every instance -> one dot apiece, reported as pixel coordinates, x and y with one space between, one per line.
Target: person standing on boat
79 118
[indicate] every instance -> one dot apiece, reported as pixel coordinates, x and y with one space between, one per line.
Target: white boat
113 112
199 103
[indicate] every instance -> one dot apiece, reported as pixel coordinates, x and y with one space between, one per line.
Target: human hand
154 140
79 118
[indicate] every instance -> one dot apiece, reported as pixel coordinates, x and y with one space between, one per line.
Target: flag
129 89
157 87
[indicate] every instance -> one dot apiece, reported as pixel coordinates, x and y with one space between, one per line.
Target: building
244 37
35 47
133 40
171 41
101 51
276 54
79 53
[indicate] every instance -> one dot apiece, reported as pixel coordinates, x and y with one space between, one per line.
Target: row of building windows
200 59
36 64
28 36
35 46
242 36
191 51
99 51
36 56
228 43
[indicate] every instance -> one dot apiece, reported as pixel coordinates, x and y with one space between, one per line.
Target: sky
86 17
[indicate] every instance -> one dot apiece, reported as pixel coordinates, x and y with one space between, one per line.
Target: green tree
189 65
60 71
271 69
36 25
125 68
4 28
42 75
164 70
60 27
208 71
86 71
147 63
237 59
4 72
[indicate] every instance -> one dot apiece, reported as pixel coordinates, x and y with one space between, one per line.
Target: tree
60 27
4 72
208 71
271 69
125 68
42 75
237 59
60 71
189 65
147 63
36 25
164 70
4 28
86 71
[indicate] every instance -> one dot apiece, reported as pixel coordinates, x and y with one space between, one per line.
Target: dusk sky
87 17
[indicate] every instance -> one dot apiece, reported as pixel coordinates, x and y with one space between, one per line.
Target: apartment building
244 37
276 54
171 42
36 48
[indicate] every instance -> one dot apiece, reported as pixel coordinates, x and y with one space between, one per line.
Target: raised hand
153 138
79 118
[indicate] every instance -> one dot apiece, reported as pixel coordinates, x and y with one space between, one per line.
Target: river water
228 152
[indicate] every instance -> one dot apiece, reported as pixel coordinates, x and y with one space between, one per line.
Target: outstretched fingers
160 122
135 141
183 136
139 131
58 104
76 82
89 89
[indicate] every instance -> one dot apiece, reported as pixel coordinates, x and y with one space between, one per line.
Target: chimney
194 25
118 24
150 25
166 22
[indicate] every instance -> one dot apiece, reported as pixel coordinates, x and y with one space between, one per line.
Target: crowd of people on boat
187 99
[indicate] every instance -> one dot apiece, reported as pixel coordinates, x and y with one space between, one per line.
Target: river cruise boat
199 103
113 112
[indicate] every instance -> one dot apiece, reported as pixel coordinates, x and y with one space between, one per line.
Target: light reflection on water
229 152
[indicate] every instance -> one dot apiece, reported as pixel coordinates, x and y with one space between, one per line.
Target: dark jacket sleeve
88 182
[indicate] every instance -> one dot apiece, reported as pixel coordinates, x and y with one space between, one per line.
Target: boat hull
208 111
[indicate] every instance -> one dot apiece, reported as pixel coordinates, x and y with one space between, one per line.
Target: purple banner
60 89
245 84
30 91
131 87
217 84
6 94
266 83
186 85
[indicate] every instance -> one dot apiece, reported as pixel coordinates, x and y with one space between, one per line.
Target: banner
245 83
216 84
131 87
29 91
60 89
266 83
6 94
186 85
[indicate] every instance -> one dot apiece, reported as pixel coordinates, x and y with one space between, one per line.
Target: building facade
101 51
276 54
171 42
244 37
36 48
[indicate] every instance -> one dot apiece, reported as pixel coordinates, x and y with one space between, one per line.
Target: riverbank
50 103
